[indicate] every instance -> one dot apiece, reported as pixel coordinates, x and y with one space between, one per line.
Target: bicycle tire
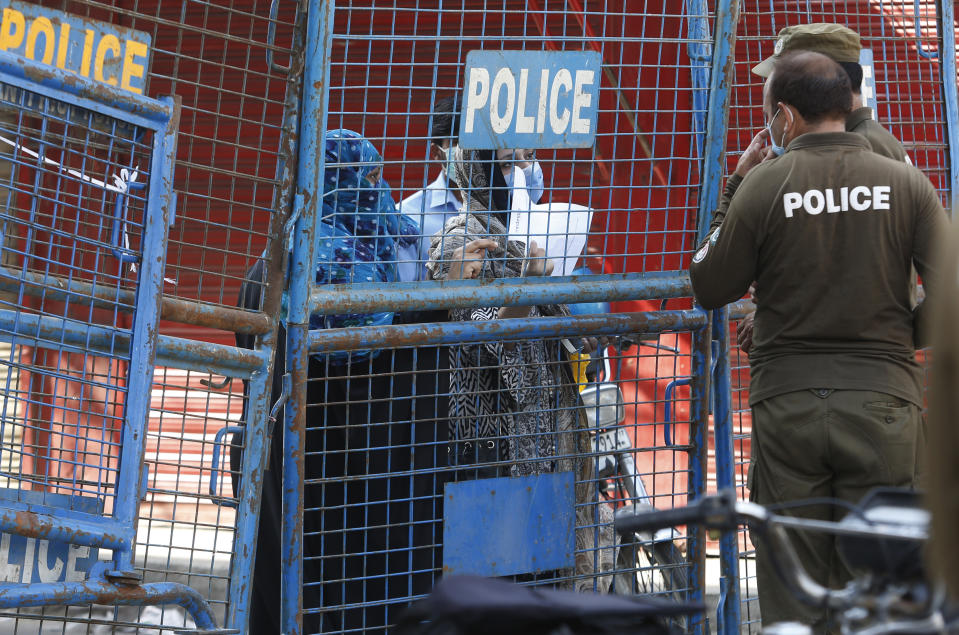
655 569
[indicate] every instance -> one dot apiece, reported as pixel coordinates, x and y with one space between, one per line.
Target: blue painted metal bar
215 463
97 590
32 283
309 188
950 96
64 525
698 447
259 413
119 218
722 75
78 337
668 409
401 335
83 92
923 52
144 338
700 55
207 357
728 613
371 298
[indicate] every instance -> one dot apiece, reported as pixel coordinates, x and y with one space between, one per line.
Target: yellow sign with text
106 53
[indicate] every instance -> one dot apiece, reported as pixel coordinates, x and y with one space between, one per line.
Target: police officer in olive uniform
828 230
842 45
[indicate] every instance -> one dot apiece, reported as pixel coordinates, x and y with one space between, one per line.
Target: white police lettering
530 99
558 101
859 198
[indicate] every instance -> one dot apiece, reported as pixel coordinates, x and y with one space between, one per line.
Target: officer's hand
755 153
467 261
744 334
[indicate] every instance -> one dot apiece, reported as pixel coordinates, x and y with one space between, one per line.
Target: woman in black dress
376 435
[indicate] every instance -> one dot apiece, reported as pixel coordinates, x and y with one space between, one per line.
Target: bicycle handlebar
723 511
715 512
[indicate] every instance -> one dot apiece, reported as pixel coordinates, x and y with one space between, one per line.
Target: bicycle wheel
652 568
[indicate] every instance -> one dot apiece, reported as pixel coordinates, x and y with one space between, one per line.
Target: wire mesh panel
405 437
75 219
79 249
395 446
903 82
235 72
393 62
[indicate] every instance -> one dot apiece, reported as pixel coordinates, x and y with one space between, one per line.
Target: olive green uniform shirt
829 232
861 122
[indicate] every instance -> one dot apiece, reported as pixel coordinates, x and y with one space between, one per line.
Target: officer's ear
789 116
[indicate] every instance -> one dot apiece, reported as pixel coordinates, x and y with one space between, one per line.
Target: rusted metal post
698 446
309 190
256 443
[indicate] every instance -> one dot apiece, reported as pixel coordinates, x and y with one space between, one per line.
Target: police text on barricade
108 54
530 99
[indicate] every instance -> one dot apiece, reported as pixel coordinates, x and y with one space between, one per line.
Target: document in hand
559 228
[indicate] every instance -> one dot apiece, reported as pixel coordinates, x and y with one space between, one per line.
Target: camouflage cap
832 40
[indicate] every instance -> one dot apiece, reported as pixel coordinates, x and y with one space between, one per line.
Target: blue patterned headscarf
358 229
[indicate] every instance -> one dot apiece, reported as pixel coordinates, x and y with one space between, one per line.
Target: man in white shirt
432 206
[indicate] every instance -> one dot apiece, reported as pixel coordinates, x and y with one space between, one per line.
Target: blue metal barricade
443 437
131 224
89 201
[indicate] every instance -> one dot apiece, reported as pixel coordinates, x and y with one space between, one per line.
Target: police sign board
24 560
111 55
530 99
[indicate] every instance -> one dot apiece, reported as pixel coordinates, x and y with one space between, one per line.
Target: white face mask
778 149
447 159
534 181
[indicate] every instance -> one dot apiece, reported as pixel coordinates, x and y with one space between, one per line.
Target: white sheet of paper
560 228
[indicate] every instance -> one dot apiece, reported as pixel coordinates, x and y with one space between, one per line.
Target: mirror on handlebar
604 404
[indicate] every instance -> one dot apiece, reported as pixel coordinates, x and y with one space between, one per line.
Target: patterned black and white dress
517 401
506 398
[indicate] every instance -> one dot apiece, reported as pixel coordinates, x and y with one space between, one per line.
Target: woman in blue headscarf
369 536
359 229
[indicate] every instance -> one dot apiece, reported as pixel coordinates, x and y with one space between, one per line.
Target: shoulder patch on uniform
714 237
779 46
701 254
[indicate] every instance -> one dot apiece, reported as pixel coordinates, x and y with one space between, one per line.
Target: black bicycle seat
899 558
471 605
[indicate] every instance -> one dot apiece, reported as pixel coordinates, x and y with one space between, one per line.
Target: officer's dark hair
854 70
445 122
813 84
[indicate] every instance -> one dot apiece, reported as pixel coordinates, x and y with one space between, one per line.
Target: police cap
832 40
